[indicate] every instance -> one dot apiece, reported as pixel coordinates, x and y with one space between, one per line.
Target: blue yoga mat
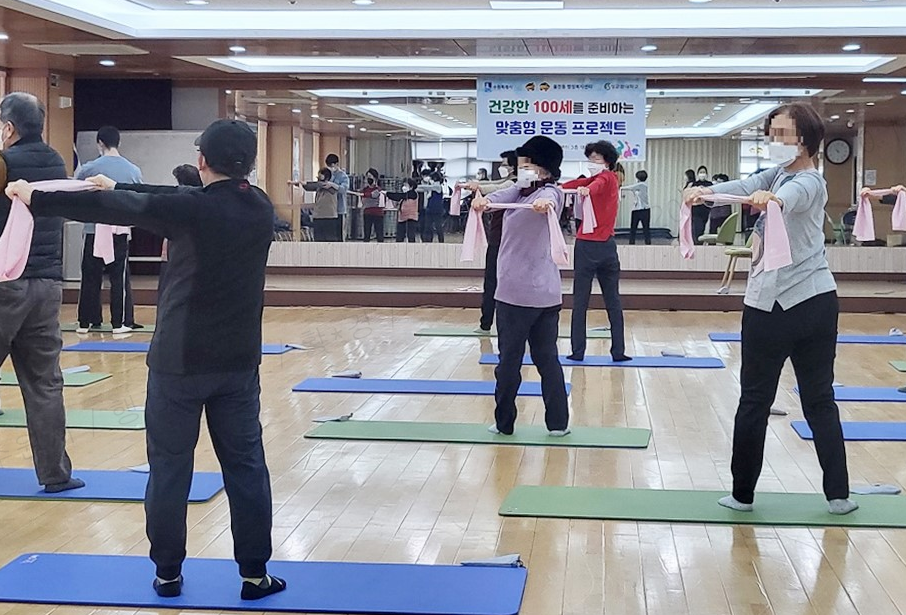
410 387
121 581
591 361
841 339
145 346
100 485
860 431
865 394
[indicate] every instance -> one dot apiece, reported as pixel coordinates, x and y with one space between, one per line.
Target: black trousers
341 229
434 223
643 217
597 259
490 287
325 229
700 217
377 224
807 335
406 231
539 327
93 270
173 416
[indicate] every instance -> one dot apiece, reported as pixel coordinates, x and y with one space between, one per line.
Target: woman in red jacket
596 250
374 213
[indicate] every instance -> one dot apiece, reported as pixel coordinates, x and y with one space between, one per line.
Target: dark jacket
219 239
33 160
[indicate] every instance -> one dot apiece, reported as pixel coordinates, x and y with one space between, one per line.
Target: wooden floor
435 503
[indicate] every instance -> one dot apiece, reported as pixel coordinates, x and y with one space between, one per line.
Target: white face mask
782 154
525 177
503 171
596 167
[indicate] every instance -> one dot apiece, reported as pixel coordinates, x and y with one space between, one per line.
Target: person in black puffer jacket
30 306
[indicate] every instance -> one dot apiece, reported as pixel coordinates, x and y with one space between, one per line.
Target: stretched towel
589 222
455 200
776 246
864 226
15 241
475 237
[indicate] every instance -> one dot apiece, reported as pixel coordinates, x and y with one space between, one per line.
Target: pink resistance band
864 226
15 241
474 233
776 246
589 222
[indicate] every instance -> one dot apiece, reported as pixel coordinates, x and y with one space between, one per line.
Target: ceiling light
850 110
196 2
718 108
835 117
363 129
851 47
271 104
107 63
330 121
374 101
699 1
869 104
884 80
315 116
526 4
363 2
424 106
350 125
297 110
388 135
903 92
228 91
648 48
4 36
237 49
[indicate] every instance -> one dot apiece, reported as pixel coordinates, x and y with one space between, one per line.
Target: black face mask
370 180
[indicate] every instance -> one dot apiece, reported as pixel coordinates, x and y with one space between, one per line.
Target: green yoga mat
900 366
471 332
477 433
84 419
70 327
80 379
668 506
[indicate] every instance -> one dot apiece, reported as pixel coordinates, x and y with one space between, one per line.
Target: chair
726 233
735 253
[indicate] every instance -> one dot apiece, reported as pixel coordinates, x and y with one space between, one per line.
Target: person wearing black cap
528 292
219 237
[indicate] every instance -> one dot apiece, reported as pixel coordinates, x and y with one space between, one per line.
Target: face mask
782 154
370 180
503 171
596 167
525 177
703 176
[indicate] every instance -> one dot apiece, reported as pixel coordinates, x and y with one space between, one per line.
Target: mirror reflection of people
433 187
373 214
407 213
325 211
641 210
482 175
791 312
700 215
341 179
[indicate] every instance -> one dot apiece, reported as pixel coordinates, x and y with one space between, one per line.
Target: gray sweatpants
30 334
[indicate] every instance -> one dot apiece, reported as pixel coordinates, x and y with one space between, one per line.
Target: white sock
728 501
841 507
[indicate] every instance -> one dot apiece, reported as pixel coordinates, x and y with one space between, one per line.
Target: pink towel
474 234
455 200
103 240
776 241
15 241
589 222
864 226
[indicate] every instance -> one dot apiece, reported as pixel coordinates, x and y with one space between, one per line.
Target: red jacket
605 198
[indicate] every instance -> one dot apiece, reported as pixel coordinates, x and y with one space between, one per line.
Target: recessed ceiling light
4 36
850 110
363 129
107 63
297 110
330 121
648 48
835 117
196 2
350 125
237 49
363 2
869 104
851 47
228 91
374 102
424 106
716 108
315 116
271 104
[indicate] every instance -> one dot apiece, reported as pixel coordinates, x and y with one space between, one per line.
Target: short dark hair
374 173
642 175
332 159
412 183
187 175
109 136
25 112
605 149
809 125
702 168
326 173
512 160
426 173
438 177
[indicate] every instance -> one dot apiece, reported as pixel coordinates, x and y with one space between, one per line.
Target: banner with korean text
573 111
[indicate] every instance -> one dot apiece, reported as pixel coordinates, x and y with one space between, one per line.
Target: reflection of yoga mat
145 346
864 431
474 433
591 361
865 394
79 379
410 387
669 506
70 327
84 419
471 332
122 581
841 339
100 485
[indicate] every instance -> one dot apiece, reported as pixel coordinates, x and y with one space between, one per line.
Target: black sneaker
270 585
135 325
168 589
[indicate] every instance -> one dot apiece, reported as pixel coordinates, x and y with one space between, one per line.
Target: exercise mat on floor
474 332
84 419
79 379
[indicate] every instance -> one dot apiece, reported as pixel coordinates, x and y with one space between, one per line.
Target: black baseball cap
229 147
